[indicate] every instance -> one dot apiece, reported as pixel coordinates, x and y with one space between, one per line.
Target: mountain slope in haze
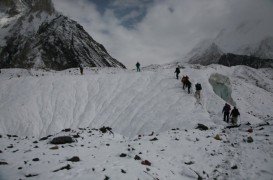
33 34
205 53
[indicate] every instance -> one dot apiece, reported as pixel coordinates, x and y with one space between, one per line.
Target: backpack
198 87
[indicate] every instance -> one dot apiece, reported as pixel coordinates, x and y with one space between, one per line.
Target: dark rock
154 139
189 163
36 159
76 136
0 136
234 167
202 127
106 178
54 147
67 167
146 163
66 130
1 151
31 175
137 157
62 140
36 147
123 171
249 139
74 159
151 134
251 61
105 129
43 138
20 168
35 142
10 146
122 155
3 163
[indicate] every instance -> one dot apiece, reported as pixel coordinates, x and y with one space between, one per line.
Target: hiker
81 69
198 89
177 71
138 66
234 115
226 110
184 81
188 84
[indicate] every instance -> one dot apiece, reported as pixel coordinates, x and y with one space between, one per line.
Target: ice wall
222 87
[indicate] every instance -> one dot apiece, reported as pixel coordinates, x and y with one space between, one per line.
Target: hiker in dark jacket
226 111
138 66
198 89
177 71
234 115
188 84
81 69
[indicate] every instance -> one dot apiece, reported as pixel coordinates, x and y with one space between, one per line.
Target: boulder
62 140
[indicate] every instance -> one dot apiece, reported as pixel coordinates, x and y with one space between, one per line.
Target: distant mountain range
33 34
254 55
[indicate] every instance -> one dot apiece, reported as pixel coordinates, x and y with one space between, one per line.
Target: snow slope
40 103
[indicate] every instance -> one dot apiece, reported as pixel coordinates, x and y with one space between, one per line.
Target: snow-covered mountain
205 53
33 34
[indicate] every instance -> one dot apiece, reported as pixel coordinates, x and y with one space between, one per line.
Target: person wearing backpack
138 66
177 71
81 69
198 89
188 84
226 111
234 115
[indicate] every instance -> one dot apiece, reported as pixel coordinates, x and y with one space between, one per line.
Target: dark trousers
189 89
138 69
177 75
226 117
81 70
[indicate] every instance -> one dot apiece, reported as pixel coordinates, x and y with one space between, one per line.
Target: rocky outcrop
254 62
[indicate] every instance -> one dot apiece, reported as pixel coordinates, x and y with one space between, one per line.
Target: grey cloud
164 35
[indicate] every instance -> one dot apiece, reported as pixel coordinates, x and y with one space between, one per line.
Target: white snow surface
38 103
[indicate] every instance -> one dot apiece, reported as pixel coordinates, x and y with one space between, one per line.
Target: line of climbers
226 110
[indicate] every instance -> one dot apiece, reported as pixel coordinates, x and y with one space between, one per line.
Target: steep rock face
205 53
35 35
251 61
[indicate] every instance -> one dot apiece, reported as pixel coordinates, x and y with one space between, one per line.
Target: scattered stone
62 140
151 134
54 147
122 155
107 144
76 136
35 142
234 167
10 146
67 167
31 175
20 168
36 159
43 138
217 137
1 151
66 130
146 163
106 178
189 163
137 157
250 130
0 136
36 147
154 139
15 150
74 159
3 163
148 169
249 139
123 171
105 129
202 127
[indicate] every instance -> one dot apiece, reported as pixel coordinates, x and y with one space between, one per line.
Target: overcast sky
161 31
